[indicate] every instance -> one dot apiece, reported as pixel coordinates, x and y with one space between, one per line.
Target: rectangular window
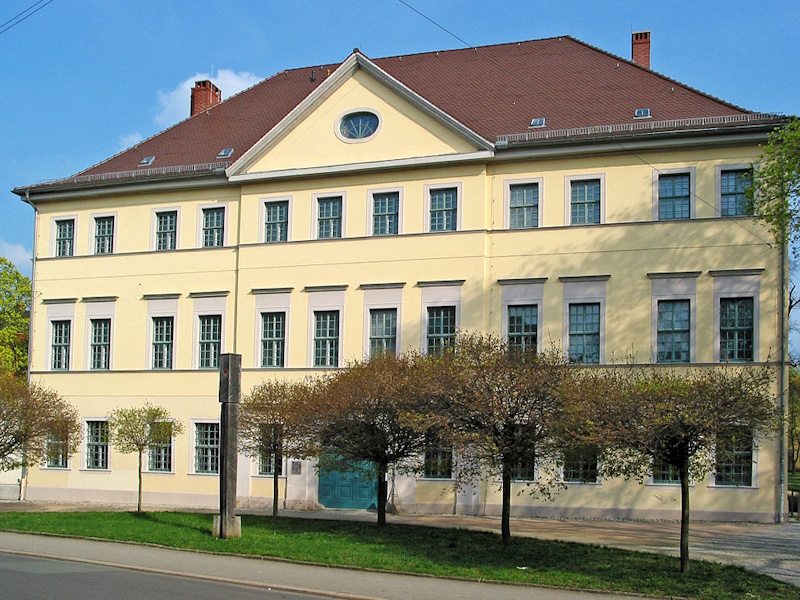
665 473
273 339
444 209
385 213
166 230
438 463
524 205
584 333
96 445
585 201
674 320
270 441
734 455
674 197
383 331
580 465
57 457
162 342
441 328
266 464
206 448
160 457
213 227
103 235
329 219
736 329
733 184
100 346
522 327
524 470
276 221
326 338
65 235
60 346
210 336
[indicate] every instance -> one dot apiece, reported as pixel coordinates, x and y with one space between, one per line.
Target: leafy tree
794 419
34 422
503 409
641 416
15 304
270 419
373 411
140 428
775 193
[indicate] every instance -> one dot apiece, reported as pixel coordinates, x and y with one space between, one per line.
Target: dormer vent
147 161
641 113
225 153
537 122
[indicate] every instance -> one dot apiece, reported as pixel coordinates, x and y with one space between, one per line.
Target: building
545 190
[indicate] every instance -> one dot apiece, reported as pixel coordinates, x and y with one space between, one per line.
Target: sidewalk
770 549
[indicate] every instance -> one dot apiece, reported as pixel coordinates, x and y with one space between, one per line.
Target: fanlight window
358 125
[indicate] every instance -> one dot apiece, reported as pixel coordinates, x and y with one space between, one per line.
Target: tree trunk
139 504
276 461
506 514
684 475
382 493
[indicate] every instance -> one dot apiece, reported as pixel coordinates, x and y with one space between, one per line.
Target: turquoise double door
347 489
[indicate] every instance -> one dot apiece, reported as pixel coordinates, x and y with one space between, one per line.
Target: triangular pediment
310 136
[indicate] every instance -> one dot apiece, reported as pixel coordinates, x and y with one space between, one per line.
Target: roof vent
641 113
225 153
537 122
147 161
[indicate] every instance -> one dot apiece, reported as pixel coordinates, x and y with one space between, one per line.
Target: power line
16 20
442 27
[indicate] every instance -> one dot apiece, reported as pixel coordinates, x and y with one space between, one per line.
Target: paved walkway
770 549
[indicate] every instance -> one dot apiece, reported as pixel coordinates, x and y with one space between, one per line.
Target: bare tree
141 428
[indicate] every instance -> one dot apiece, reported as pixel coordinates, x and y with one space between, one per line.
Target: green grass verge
794 482
414 549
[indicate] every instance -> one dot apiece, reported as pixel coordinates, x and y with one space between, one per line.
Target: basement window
537 122
225 153
642 113
147 161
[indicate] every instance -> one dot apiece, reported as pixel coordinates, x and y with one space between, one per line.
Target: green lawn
444 552
794 482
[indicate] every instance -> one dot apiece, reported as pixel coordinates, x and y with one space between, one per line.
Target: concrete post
226 524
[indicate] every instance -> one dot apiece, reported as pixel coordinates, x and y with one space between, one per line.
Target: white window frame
171 471
718 169
568 180
315 214
162 307
206 305
54 230
712 474
262 216
371 208
680 285
85 446
589 289
692 173
596 482
437 294
92 231
538 181
319 301
743 283
381 297
277 300
154 224
60 311
432 187
225 224
192 446
523 292
99 308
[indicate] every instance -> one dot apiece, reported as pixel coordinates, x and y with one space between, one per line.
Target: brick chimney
204 95
640 48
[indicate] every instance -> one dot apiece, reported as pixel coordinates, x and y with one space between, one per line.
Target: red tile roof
493 90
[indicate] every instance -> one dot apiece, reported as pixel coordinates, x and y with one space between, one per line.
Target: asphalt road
28 578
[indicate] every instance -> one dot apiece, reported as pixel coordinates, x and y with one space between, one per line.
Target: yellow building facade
367 214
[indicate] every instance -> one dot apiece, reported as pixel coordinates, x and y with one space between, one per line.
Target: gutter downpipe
23 479
783 378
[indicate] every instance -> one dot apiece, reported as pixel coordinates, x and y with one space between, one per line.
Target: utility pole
226 524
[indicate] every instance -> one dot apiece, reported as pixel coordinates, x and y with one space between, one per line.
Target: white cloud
131 139
175 103
19 255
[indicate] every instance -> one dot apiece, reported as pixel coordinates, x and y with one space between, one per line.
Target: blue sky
84 79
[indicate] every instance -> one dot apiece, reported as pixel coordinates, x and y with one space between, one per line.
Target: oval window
358 125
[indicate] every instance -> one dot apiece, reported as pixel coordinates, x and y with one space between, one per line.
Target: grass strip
415 549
